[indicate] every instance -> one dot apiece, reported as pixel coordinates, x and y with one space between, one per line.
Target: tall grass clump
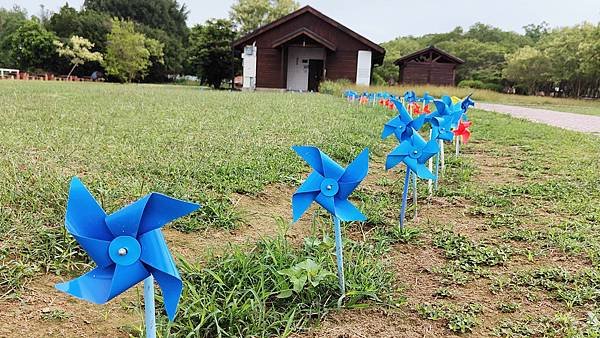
275 289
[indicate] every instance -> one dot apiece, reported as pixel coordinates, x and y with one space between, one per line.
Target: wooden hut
429 66
303 48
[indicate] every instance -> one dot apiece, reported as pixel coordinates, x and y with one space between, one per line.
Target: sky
384 20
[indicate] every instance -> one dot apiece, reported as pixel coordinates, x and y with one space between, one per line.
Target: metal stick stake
339 253
149 309
404 198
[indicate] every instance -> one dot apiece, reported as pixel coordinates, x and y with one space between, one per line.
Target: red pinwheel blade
158 260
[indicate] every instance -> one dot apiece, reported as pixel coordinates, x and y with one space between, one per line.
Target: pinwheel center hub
124 250
415 153
329 187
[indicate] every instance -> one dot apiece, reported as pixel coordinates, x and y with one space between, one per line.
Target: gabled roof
303 10
425 51
306 32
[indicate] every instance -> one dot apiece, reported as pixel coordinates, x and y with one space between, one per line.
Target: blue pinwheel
410 96
402 126
413 152
330 185
127 247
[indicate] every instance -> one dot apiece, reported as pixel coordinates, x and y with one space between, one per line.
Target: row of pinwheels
128 247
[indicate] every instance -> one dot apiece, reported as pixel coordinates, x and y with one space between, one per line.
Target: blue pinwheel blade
319 161
418 141
84 215
162 209
126 276
93 286
447 100
148 213
419 168
326 202
301 202
347 212
397 155
431 148
354 174
441 107
418 122
390 127
126 221
305 195
158 260
85 221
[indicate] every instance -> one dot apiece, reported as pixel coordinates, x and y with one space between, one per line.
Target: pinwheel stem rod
457 145
339 254
149 309
442 155
404 198
437 170
415 193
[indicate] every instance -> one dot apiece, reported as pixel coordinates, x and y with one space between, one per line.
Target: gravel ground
577 122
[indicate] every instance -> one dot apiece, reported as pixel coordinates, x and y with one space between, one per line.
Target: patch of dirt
370 323
42 311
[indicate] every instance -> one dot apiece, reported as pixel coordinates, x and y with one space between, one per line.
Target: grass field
584 106
509 246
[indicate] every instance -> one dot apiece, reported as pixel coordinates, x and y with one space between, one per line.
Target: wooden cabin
299 50
429 66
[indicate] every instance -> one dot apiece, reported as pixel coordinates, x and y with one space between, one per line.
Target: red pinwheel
463 131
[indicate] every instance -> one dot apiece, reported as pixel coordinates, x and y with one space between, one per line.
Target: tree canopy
248 15
128 53
210 51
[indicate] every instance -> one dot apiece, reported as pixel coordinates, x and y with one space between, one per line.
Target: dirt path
571 121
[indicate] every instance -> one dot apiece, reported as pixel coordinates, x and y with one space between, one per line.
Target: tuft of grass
468 256
460 319
275 289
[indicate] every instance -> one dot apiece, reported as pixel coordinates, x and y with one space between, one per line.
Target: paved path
577 122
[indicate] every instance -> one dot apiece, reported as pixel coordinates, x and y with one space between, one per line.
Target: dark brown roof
418 53
308 9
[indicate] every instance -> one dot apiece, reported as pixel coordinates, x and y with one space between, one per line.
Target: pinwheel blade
430 149
390 127
126 276
354 174
326 202
301 202
419 168
319 161
93 286
126 221
466 136
347 212
160 263
162 209
84 215
441 107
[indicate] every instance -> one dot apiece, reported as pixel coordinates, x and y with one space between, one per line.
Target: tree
536 32
128 53
93 25
210 51
10 21
78 51
162 20
528 66
248 15
32 46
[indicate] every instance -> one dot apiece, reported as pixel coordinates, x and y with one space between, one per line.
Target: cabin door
315 74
